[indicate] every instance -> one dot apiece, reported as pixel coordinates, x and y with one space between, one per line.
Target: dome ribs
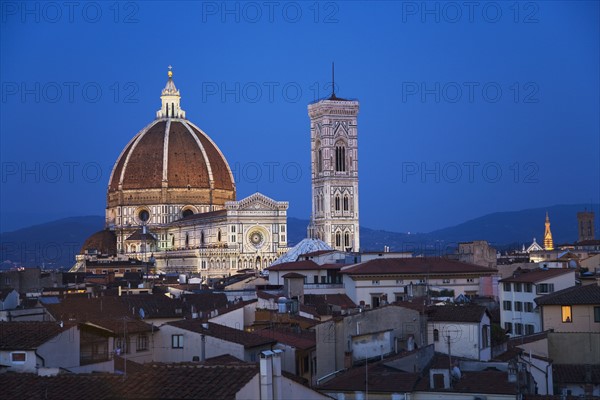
186 163
144 165
222 176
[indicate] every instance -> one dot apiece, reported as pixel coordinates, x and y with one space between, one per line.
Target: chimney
266 375
277 377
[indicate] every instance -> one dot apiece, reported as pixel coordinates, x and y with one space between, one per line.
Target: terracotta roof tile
169 381
303 340
247 339
536 275
417 265
575 373
381 379
295 265
338 299
456 313
28 335
293 275
485 382
109 312
587 294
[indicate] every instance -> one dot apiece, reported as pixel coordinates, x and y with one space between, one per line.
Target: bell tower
585 221
334 166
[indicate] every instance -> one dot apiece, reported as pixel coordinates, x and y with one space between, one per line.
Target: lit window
567 316
18 357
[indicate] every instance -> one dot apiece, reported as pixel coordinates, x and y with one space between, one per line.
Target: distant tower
548 242
586 225
334 164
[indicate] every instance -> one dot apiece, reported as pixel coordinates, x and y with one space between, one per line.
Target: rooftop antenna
333 80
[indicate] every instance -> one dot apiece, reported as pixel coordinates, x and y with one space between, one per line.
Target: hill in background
55 244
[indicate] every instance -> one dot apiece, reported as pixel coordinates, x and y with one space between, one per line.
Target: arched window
320 160
436 335
340 158
337 202
346 203
338 239
219 236
202 237
346 239
187 240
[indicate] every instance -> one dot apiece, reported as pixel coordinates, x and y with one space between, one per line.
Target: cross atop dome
170 98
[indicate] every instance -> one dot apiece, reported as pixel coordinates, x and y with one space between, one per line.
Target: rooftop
587 294
415 266
536 275
300 339
170 381
28 335
575 373
246 339
456 313
304 265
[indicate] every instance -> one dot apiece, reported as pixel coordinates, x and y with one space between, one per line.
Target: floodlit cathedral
172 200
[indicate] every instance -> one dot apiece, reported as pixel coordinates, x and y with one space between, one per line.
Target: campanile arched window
340 157
320 160
337 202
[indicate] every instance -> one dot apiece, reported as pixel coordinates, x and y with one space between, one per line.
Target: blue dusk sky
465 108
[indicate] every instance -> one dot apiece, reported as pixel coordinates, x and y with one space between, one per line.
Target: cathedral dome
171 161
104 242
